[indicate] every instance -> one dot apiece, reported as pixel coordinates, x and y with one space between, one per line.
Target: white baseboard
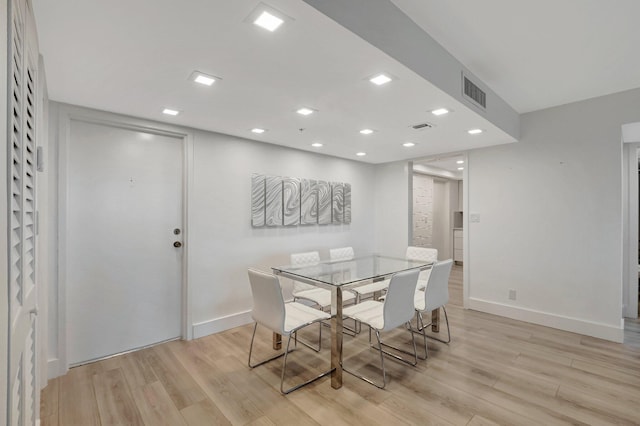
217 325
55 368
575 325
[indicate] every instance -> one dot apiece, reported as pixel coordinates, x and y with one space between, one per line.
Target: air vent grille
421 126
474 93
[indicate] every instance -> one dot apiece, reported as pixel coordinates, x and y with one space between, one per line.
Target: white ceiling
542 53
135 57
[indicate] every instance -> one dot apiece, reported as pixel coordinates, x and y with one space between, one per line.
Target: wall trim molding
217 325
561 322
54 368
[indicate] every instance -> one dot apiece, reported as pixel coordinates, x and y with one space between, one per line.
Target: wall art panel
324 202
291 201
347 203
337 202
285 201
273 215
257 200
309 202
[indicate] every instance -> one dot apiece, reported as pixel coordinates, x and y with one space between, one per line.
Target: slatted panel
29 168
30 376
16 164
17 400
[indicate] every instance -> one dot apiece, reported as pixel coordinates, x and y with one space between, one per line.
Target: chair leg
366 379
255 327
284 369
446 318
421 327
399 358
382 353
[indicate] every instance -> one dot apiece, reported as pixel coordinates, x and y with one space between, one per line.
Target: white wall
221 242
392 207
551 219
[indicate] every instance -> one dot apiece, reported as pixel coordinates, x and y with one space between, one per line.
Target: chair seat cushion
371 287
322 296
297 315
369 312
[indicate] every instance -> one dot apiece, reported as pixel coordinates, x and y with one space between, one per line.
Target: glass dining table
341 275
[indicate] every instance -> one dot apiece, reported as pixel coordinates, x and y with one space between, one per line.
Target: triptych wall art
285 201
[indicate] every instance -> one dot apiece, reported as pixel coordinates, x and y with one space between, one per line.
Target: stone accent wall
422 211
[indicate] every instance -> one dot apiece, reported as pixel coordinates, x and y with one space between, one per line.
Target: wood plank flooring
496 371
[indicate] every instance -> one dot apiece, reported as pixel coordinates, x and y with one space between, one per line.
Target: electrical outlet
512 294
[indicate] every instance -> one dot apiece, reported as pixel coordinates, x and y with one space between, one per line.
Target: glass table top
345 272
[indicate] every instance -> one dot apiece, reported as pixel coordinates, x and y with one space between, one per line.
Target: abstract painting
309 202
286 201
291 201
273 211
257 200
337 202
324 202
347 203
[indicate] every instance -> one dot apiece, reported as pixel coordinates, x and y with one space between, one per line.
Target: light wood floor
495 371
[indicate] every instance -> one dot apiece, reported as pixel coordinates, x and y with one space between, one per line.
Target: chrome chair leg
420 325
255 327
399 358
284 369
382 353
446 318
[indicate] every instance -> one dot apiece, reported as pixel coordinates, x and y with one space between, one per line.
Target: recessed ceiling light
440 111
408 144
460 168
268 21
366 131
475 131
316 144
305 111
258 130
202 78
170 111
380 79
460 162
361 154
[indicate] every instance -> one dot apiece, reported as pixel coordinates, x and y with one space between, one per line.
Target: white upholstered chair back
268 303
398 304
304 259
424 254
342 253
436 293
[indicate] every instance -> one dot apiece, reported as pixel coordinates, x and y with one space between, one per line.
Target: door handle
177 244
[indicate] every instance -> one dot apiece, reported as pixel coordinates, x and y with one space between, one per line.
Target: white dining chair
347 253
434 296
319 296
396 310
270 311
422 254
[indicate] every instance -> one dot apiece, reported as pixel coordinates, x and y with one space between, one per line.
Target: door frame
66 115
630 216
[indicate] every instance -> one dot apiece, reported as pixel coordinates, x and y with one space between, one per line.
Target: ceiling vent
422 126
473 92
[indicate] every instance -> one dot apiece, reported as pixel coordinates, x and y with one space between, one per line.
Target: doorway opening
437 219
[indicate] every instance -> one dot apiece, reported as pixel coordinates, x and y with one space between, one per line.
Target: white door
124 203
22 383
